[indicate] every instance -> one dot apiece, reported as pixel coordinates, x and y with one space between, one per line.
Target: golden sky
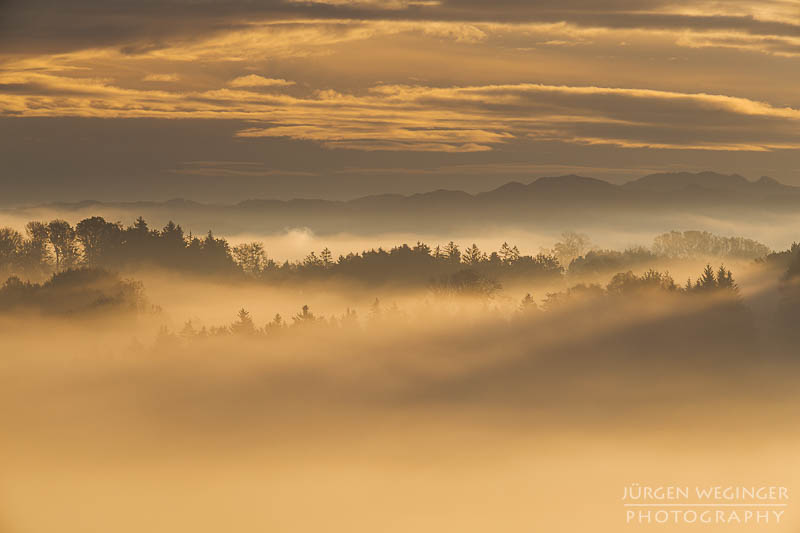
233 99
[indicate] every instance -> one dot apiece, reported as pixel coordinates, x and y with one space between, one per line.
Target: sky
219 101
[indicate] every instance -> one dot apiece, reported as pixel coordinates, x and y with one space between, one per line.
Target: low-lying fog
421 412
444 416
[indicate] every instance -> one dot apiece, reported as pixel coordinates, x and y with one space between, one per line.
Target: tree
250 257
695 243
422 249
277 324
62 238
528 304
628 282
508 255
35 252
473 256
304 317
140 225
173 233
725 280
311 260
244 324
572 245
188 330
326 258
10 249
467 282
452 253
375 311
98 238
707 280
171 246
215 255
349 318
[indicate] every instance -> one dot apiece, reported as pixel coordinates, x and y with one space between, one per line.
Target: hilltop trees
473 256
466 282
709 281
690 244
34 257
11 243
251 257
603 262
62 239
94 242
57 246
507 254
628 282
99 239
82 290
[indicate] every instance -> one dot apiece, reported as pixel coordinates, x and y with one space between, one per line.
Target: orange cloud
253 80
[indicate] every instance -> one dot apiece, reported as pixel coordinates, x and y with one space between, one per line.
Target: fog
289 234
775 230
429 413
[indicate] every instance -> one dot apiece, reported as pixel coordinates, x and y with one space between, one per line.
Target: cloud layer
447 77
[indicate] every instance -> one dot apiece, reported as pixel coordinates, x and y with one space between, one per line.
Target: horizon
472 192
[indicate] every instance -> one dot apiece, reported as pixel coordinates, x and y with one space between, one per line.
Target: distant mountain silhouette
560 201
711 181
670 182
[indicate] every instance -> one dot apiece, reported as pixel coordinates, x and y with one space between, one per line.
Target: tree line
718 282
56 246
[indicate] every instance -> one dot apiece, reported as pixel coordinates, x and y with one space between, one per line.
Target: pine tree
508 255
422 248
326 258
473 256
725 280
276 325
528 304
188 330
244 323
305 316
707 279
452 253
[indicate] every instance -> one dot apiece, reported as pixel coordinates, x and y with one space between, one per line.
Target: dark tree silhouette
99 239
62 239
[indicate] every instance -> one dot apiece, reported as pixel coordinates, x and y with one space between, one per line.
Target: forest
55 246
90 271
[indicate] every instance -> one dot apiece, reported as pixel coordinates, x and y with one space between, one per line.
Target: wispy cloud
253 80
444 119
161 77
498 76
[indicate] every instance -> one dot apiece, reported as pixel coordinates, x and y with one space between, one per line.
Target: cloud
161 77
434 119
498 76
138 26
253 80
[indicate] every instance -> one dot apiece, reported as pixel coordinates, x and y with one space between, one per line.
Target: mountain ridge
662 182
555 202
